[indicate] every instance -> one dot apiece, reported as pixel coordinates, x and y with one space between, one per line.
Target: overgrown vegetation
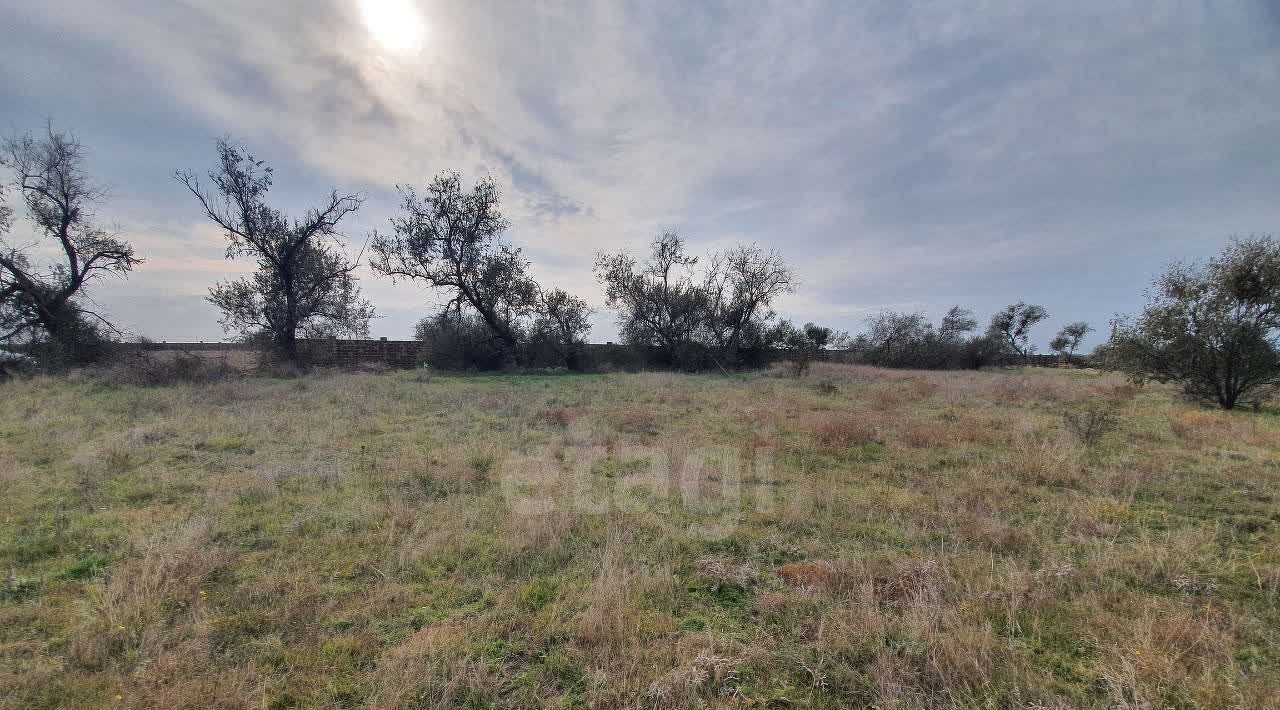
855 537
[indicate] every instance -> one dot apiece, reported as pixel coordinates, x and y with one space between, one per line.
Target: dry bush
1028 389
1040 461
843 373
924 435
142 368
634 420
183 678
371 367
826 387
559 416
1169 656
725 573
615 620
433 668
1091 422
1123 392
920 388
844 431
886 400
908 582
281 370
1198 426
760 440
704 677
816 574
151 603
971 427
992 534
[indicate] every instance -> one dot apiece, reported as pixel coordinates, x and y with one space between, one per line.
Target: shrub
143 368
826 387
845 432
1091 422
461 342
559 416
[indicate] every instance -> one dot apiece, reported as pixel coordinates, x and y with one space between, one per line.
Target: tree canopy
304 285
1213 327
46 300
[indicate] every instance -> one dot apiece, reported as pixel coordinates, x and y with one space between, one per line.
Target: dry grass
853 538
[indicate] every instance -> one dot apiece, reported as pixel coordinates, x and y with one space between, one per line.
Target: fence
333 352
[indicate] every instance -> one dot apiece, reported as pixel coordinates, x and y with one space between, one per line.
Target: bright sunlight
395 24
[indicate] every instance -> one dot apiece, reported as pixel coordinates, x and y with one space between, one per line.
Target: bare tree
1013 325
659 303
1068 340
451 239
562 323
49 302
741 285
304 286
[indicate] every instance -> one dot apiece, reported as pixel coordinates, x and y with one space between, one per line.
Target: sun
395 24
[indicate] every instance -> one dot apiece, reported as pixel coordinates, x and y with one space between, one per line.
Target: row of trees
692 313
451 240
685 311
895 339
1213 327
447 238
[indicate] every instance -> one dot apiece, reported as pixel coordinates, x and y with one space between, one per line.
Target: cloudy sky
903 155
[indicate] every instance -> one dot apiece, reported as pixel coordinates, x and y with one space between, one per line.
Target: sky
899 155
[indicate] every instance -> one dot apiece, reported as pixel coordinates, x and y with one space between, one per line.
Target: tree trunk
287 344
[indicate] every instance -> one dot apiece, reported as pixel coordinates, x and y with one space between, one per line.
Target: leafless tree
48 301
304 286
451 239
741 286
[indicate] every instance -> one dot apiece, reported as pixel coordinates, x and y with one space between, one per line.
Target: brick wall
344 353
326 352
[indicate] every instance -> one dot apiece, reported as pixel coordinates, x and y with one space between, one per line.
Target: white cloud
891 151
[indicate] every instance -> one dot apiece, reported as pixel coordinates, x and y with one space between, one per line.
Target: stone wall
345 353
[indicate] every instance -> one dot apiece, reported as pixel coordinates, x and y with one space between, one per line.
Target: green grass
857 538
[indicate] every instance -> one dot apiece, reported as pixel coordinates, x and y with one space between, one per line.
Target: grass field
855 538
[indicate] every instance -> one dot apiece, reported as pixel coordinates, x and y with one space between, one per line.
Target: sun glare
395 24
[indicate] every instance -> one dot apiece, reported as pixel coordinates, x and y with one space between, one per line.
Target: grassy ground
855 538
